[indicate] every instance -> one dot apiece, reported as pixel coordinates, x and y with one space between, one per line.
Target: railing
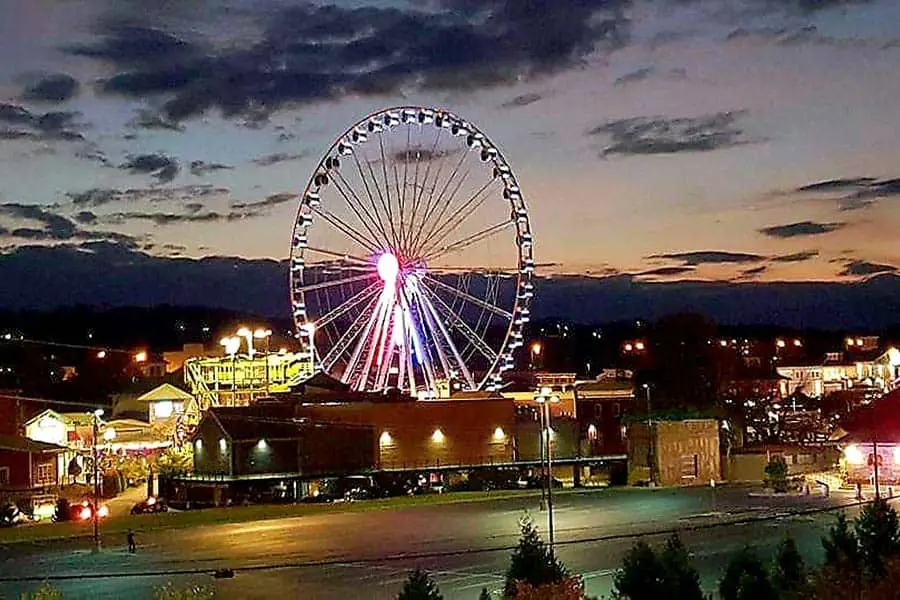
205 397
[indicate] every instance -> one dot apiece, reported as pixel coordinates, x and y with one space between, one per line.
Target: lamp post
95 517
536 349
265 334
544 399
650 457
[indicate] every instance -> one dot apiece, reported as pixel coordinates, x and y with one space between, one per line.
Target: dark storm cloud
753 272
660 135
693 259
278 157
17 122
421 155
522 100
272 200
146 119
795 257
801 228
52 88
162 219
667 271
200 167
311 53
854 193
163 168
55 226
863 268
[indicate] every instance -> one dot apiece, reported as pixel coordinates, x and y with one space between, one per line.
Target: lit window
223 445
163 409
592 432
438 436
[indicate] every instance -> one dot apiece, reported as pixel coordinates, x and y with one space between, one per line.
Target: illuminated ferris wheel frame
410 324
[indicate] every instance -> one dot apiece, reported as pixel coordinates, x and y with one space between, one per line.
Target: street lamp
536 349
95 513
544 399
244 332
265 334
650 444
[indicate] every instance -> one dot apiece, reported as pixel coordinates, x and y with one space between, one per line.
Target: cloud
522 100
634 76
421 155
147 119
52 88
181 194
854 193
86 217
863 268
163 168
17 122
801 228
162 219
272 200
660 135
709 257
753 272
199 167
55 226
795 257
278 157
312 53
667 271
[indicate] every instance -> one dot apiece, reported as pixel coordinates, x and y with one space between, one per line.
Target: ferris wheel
411 259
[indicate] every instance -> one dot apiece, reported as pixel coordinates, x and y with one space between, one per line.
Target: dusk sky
754 140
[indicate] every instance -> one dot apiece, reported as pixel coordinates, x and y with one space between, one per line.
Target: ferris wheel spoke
460 325
387 191
376 219
401 191
356 211
468 297
466 242
434 202
334 282
341 255
346 229
419 188
454 351
445 211
343 343
347 305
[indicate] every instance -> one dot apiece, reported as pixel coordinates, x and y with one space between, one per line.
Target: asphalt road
466 546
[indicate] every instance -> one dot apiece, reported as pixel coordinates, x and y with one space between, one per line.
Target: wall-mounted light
499 434
438 436
385 439
261 445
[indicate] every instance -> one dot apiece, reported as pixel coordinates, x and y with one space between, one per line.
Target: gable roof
16 443
166 391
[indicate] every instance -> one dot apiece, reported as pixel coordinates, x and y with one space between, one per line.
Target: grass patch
118 526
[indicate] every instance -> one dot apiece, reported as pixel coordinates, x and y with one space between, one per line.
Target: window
617 409
44 474
598 410
4 475
690 466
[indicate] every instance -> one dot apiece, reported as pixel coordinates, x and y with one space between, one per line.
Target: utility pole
95 516
549 478
650 453
875 465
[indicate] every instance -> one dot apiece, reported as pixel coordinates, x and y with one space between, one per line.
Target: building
859 369
674 452
600 406
26 465
870 437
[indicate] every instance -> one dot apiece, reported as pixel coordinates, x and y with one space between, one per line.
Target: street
466 546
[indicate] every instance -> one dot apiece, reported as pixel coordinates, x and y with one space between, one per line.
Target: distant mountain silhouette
107 274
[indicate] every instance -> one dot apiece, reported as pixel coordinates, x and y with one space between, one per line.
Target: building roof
16 443
880 420
251 423
166 391
607 384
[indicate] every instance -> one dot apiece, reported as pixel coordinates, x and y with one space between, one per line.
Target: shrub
531 562
776 474
419 586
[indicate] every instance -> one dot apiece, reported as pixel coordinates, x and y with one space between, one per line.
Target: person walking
132 547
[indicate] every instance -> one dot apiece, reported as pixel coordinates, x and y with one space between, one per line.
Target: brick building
681 452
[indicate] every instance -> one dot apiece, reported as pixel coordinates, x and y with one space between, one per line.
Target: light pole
95 516
265 334
536 349
650 456
545 399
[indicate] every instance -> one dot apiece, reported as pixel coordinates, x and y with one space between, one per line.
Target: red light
85 513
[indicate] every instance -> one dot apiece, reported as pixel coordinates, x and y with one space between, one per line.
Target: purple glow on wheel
388 267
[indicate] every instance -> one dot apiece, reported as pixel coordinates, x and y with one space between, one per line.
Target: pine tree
789 575
746 578
419 586
484 595
531 562
841 546
641 576
878 533
681 579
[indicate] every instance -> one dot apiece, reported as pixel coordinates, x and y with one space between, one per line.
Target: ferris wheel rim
424 116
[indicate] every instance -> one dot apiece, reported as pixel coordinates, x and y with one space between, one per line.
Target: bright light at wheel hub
388 267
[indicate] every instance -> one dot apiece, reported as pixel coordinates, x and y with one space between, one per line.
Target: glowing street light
265 334
101 354
244 332
232 345
139 357
544 399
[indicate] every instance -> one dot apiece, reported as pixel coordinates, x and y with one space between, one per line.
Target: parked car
11 515
535 482
149 506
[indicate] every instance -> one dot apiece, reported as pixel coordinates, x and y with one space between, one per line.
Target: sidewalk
121 504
